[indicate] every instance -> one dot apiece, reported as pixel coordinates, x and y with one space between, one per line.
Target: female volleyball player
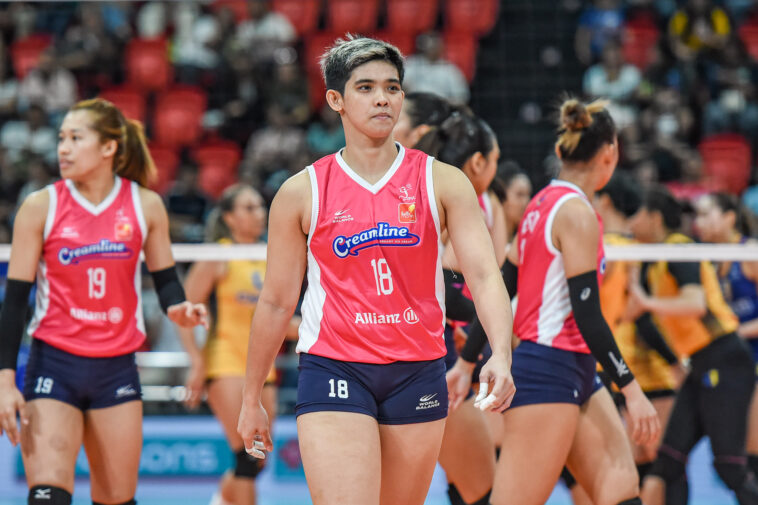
367 221
561 413
721 219
714 398
233 288
467 453
518 192
82 237
420 113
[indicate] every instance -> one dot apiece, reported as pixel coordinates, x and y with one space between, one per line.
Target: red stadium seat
218 161
25 53
689 191
167 164
411 16
638 42
314 46
726 162
474 16
130 101
749 36
178 115
460 49
316 91
358 16
404 41
238 7
303 14
147 65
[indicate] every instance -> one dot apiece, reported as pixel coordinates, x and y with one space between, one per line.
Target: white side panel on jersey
51 208
489 217
439 280
87 205
551 217
42 299
315 296
138 314
556 304
137 201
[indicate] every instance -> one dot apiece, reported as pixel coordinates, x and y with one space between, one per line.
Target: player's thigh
537 436
113 442
341 456
225 400
468 453
752 429
409 455
601 456
495 426
50 443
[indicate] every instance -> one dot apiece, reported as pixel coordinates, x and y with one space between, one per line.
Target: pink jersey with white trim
543 314
375 287
88 279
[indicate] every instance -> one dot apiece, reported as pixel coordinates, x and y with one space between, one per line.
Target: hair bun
575 116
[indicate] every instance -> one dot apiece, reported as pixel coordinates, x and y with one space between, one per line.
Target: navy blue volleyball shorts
544 374
404 392
83 382
753 343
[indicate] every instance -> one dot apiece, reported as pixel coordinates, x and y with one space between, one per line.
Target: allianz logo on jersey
383 234
105 249
114 315
409 316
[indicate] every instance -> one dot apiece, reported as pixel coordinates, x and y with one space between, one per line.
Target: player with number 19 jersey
88 278
375 287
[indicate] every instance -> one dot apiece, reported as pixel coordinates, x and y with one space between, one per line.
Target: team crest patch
124 230
406 212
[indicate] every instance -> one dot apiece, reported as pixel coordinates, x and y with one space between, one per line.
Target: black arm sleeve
651 336
585 303
170 290
13 320
685 273
457 306
477 338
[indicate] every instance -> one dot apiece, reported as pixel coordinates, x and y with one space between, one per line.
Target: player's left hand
188 314
458 383
496 375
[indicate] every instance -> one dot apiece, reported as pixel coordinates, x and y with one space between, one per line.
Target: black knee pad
678 491
752 462
484 500
644 469
633 501
568 479
130 502
247 466
669 466
732 471
48 495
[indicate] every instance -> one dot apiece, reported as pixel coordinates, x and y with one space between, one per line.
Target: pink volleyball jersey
88 279
375 287
543 314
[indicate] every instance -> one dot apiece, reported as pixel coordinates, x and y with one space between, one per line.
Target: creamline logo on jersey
383 234
105 249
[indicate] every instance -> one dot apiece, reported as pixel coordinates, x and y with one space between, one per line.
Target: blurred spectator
429 71
277 147
615 80
325 135
18 20
187 206
733 105
50 85
288 90
263 33
8 85
698 28
599 23
32 134
89 50
38 175
151 20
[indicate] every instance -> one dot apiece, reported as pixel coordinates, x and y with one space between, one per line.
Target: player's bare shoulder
293 200
33 211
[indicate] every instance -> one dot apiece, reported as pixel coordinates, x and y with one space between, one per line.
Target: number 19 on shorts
341 391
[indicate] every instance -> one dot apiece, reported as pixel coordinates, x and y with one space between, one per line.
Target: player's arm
26 249
749 329
160 263
689 302
576 234
289 218
473 247
499 231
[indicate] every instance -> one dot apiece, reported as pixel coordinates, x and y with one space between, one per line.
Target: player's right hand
497 374
458 383
644 422
253 427
11 402
194 385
